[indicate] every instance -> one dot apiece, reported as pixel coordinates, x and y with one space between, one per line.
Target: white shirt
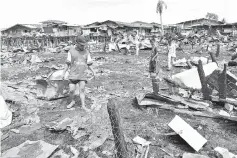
69 58
172 49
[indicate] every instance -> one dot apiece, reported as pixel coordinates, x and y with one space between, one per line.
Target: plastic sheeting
5 114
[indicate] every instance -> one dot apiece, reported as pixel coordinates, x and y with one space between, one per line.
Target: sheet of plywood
190 78
190 135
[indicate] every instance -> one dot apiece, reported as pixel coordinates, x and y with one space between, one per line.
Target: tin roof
30 26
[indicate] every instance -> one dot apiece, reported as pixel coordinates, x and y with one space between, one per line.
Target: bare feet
71 105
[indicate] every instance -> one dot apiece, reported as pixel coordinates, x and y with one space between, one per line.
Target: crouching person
78 62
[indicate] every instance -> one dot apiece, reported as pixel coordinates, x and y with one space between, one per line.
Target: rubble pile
178 113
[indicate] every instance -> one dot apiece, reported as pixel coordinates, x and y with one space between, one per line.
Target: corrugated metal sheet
30 26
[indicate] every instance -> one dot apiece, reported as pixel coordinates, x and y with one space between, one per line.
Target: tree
212 16
161 5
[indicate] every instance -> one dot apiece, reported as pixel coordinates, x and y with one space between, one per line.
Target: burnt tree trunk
222 81
212 57
218 50
205 90
1 41
114 116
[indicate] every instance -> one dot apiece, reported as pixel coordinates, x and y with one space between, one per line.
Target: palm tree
161 5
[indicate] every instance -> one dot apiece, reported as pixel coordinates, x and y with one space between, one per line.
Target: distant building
49 27
228 28
19 30
115 27
60 28
198 22
52 22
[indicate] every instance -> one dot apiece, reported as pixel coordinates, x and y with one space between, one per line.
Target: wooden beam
212 57
117 131
222 81
205 89
218 50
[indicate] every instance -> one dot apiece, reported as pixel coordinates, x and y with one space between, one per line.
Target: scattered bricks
229 107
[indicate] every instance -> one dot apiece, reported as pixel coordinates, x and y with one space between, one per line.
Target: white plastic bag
5 114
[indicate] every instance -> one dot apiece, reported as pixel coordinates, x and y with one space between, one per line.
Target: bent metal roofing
30 26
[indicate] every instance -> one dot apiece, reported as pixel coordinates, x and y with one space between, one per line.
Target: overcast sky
88 11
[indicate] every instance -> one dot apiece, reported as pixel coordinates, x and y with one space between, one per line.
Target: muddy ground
121 77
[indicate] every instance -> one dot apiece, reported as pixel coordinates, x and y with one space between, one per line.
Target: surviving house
114 27
198 22
19 30
146 28
60 28
228 28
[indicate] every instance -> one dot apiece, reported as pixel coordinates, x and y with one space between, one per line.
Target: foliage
161 5
212 16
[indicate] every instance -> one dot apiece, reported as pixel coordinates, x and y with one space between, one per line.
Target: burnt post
155 84
212 57
207 47
222 81
120 144
1 40
218 50
205 90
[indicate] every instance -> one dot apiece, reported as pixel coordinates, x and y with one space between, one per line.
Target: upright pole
117 131
205 90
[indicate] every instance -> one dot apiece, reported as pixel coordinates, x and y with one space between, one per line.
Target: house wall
86 32
197 22
17 30
66 30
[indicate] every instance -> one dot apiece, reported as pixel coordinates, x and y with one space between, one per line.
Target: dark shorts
73 81
152 66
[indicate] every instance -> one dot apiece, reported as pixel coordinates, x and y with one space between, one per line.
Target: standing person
153 56
137 42
171 52
78 62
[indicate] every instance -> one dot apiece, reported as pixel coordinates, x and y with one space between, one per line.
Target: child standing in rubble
78 62
172 45
137 42
153 56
